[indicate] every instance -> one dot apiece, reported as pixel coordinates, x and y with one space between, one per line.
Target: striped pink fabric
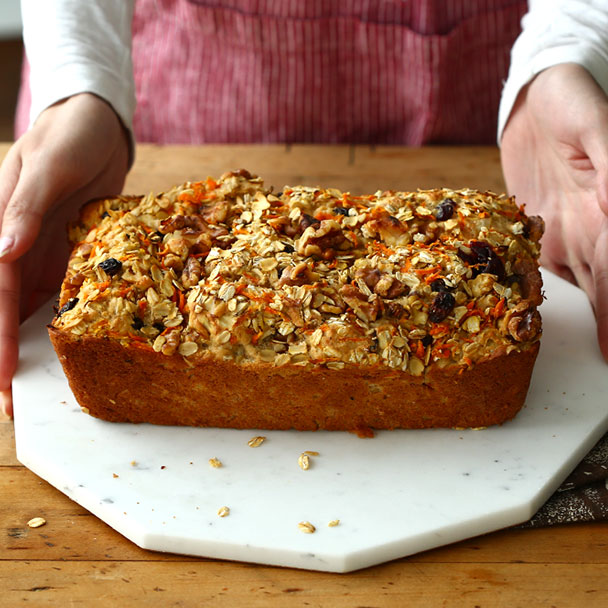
336 71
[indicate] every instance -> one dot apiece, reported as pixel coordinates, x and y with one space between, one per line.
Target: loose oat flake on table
36 522
307 527
388 310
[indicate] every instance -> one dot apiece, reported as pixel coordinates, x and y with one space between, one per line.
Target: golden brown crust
429 296
136 385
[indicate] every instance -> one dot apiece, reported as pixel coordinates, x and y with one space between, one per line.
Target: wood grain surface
355 169
76 560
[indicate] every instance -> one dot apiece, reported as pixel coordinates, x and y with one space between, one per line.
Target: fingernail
6 244
6 405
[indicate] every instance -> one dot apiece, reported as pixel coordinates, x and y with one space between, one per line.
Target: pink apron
334 71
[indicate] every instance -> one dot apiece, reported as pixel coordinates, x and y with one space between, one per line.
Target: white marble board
396 494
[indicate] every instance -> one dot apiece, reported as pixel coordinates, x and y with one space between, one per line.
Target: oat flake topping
307 276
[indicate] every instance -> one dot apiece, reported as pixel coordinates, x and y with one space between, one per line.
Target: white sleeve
78 46
557 31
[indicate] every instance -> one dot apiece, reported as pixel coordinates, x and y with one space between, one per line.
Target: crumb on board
304 462
257 441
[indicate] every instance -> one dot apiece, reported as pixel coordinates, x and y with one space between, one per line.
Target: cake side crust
133 384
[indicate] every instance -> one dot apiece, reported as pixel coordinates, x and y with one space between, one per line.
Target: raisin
441 307
439 285
111 266
489 259
445 210
67 306
307 220
137 323
483 259
427 340
341 210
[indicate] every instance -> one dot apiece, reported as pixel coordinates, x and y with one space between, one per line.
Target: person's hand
555 160
77 150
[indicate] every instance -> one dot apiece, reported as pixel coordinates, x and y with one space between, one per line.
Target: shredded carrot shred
498 309
382 248
429 270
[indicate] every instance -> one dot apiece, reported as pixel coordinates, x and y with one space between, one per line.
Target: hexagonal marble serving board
394 495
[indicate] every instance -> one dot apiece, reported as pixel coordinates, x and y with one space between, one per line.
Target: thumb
34 193
9 323
9 176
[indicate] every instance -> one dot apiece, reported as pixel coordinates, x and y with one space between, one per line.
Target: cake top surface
307 276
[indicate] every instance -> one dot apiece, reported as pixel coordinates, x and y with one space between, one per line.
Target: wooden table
75 559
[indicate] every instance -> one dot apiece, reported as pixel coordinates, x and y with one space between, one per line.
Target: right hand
555 160
77 150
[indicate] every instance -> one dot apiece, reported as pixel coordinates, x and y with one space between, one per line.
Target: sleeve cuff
587 58
557 32
76 79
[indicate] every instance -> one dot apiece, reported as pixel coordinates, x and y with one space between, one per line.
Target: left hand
76 150
555 161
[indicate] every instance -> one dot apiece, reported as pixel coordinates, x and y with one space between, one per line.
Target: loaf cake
225 304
